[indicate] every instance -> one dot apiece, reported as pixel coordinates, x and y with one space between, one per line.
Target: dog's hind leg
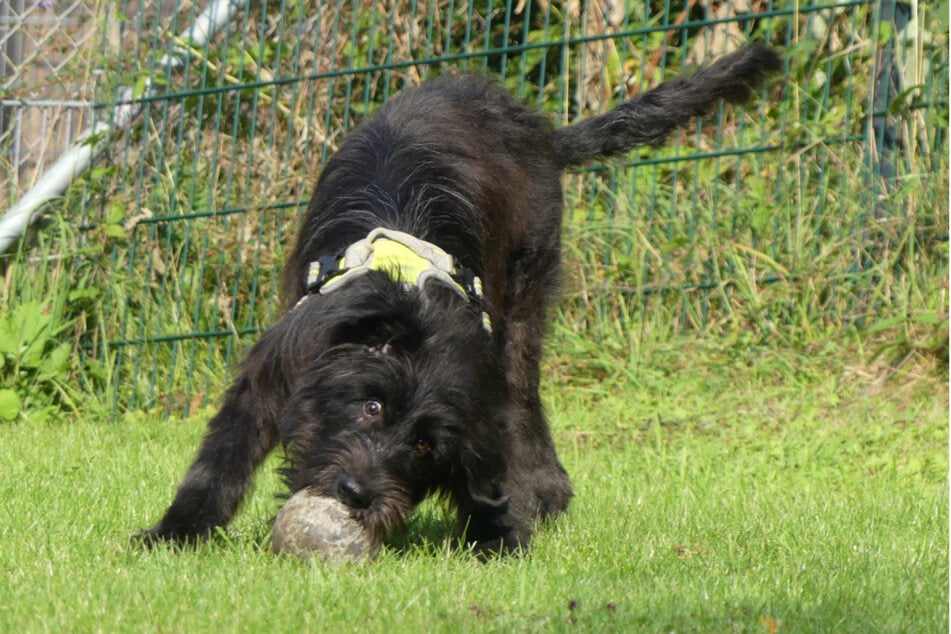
236 443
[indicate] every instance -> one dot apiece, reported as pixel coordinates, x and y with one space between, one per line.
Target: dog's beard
389 502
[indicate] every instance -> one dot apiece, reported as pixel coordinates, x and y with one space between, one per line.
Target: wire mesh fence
756 219
45 85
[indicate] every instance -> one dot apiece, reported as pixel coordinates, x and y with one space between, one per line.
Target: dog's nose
352 493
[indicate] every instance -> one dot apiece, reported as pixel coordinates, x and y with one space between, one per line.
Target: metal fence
749 220
45 87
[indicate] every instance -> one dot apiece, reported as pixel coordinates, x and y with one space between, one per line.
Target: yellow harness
403 257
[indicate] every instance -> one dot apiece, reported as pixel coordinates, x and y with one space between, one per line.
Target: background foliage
790 223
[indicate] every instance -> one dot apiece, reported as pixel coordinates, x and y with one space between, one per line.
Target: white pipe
74 161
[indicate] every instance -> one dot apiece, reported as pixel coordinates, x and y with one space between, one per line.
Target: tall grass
767 224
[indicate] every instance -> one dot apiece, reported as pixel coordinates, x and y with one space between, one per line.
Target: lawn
718 488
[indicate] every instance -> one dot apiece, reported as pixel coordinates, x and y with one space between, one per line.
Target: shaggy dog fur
382 394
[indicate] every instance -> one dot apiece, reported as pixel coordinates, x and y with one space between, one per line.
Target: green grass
719 488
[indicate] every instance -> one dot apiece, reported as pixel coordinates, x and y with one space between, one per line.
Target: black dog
391 375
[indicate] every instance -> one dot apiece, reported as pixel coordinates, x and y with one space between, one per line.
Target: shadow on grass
430 531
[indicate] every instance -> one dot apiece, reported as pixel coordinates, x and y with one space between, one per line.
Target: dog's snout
352 493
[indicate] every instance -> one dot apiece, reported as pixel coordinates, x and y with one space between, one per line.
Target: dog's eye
373 408
422 446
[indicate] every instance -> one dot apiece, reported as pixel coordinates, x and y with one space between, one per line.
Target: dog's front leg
237 441
489 520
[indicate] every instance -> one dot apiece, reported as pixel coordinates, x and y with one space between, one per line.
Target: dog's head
402 395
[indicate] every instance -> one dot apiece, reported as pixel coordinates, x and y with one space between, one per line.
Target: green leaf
885 324
885 33
27 321
8 342
140 87
28 326
761 218
97 173
89 292
940 17
115 214
927 319
903 99
9 405
54 362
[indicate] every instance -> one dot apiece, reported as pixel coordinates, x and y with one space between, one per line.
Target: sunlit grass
711 495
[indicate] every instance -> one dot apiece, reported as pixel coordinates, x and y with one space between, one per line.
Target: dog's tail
650 117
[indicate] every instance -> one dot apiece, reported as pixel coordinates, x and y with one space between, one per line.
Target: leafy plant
35 361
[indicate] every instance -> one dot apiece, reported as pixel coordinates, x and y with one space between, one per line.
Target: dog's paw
150 538
489 549
493 540
161 534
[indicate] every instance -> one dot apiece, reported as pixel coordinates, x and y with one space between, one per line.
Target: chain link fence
46 83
